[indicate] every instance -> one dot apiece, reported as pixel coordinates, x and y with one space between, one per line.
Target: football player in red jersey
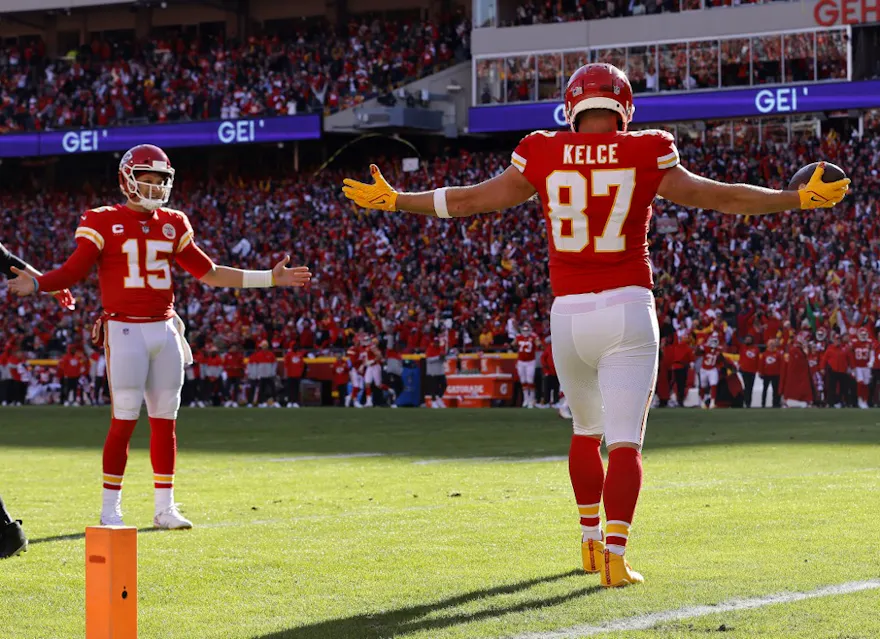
709 365
863 354
596 183
133 245
527 346
372 362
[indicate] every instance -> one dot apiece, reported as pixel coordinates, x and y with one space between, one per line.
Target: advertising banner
680 107
178 134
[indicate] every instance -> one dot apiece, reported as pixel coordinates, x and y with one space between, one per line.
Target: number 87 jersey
596 190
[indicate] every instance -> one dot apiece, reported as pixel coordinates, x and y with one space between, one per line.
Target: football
832 174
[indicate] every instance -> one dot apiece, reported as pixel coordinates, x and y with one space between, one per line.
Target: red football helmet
146 158
599 86
864 335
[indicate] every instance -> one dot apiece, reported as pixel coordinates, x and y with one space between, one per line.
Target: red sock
713 392
116 451
369 391
163 451
587 477
622 488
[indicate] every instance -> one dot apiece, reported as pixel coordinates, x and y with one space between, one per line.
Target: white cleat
171 519
348 401
112 519
565 412
369 403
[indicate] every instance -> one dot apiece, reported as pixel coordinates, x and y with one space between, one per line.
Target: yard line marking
645 622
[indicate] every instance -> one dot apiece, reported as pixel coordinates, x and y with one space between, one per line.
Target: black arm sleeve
8 260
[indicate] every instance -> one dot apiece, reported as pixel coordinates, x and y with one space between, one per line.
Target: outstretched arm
200 266
683 187
501 192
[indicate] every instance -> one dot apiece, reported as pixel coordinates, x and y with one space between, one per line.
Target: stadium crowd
314 68
405 279
549 11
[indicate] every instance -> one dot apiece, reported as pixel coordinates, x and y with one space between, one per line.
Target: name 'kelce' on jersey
589 154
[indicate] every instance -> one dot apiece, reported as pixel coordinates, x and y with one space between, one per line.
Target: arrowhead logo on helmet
146 158
599 86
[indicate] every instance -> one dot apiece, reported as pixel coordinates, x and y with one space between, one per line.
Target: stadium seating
171 79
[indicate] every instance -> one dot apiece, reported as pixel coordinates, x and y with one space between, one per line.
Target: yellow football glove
378 195
817 194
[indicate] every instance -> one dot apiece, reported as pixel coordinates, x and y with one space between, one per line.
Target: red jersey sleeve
89 244
91 228
188 255
667 153
186 237
527 151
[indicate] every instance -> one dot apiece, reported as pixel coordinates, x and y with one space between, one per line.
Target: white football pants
605 347
526 372
144 362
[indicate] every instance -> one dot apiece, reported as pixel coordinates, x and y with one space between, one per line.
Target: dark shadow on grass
404 621
82 535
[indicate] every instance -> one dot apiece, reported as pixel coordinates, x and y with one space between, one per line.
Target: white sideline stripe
644 622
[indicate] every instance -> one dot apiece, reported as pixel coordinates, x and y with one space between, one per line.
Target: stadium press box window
815 55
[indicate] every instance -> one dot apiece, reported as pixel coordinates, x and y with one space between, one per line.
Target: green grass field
437 524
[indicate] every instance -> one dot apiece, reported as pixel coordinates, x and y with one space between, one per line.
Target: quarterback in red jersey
596 184
133 245
527 347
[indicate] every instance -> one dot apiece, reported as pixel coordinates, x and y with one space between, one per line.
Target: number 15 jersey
596 190
135 252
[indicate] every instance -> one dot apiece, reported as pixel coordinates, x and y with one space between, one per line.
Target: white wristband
440 203
256 279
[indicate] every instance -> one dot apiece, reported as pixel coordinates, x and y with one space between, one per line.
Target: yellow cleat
592 551
616 571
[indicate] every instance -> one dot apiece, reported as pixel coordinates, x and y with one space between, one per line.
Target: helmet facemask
144 193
